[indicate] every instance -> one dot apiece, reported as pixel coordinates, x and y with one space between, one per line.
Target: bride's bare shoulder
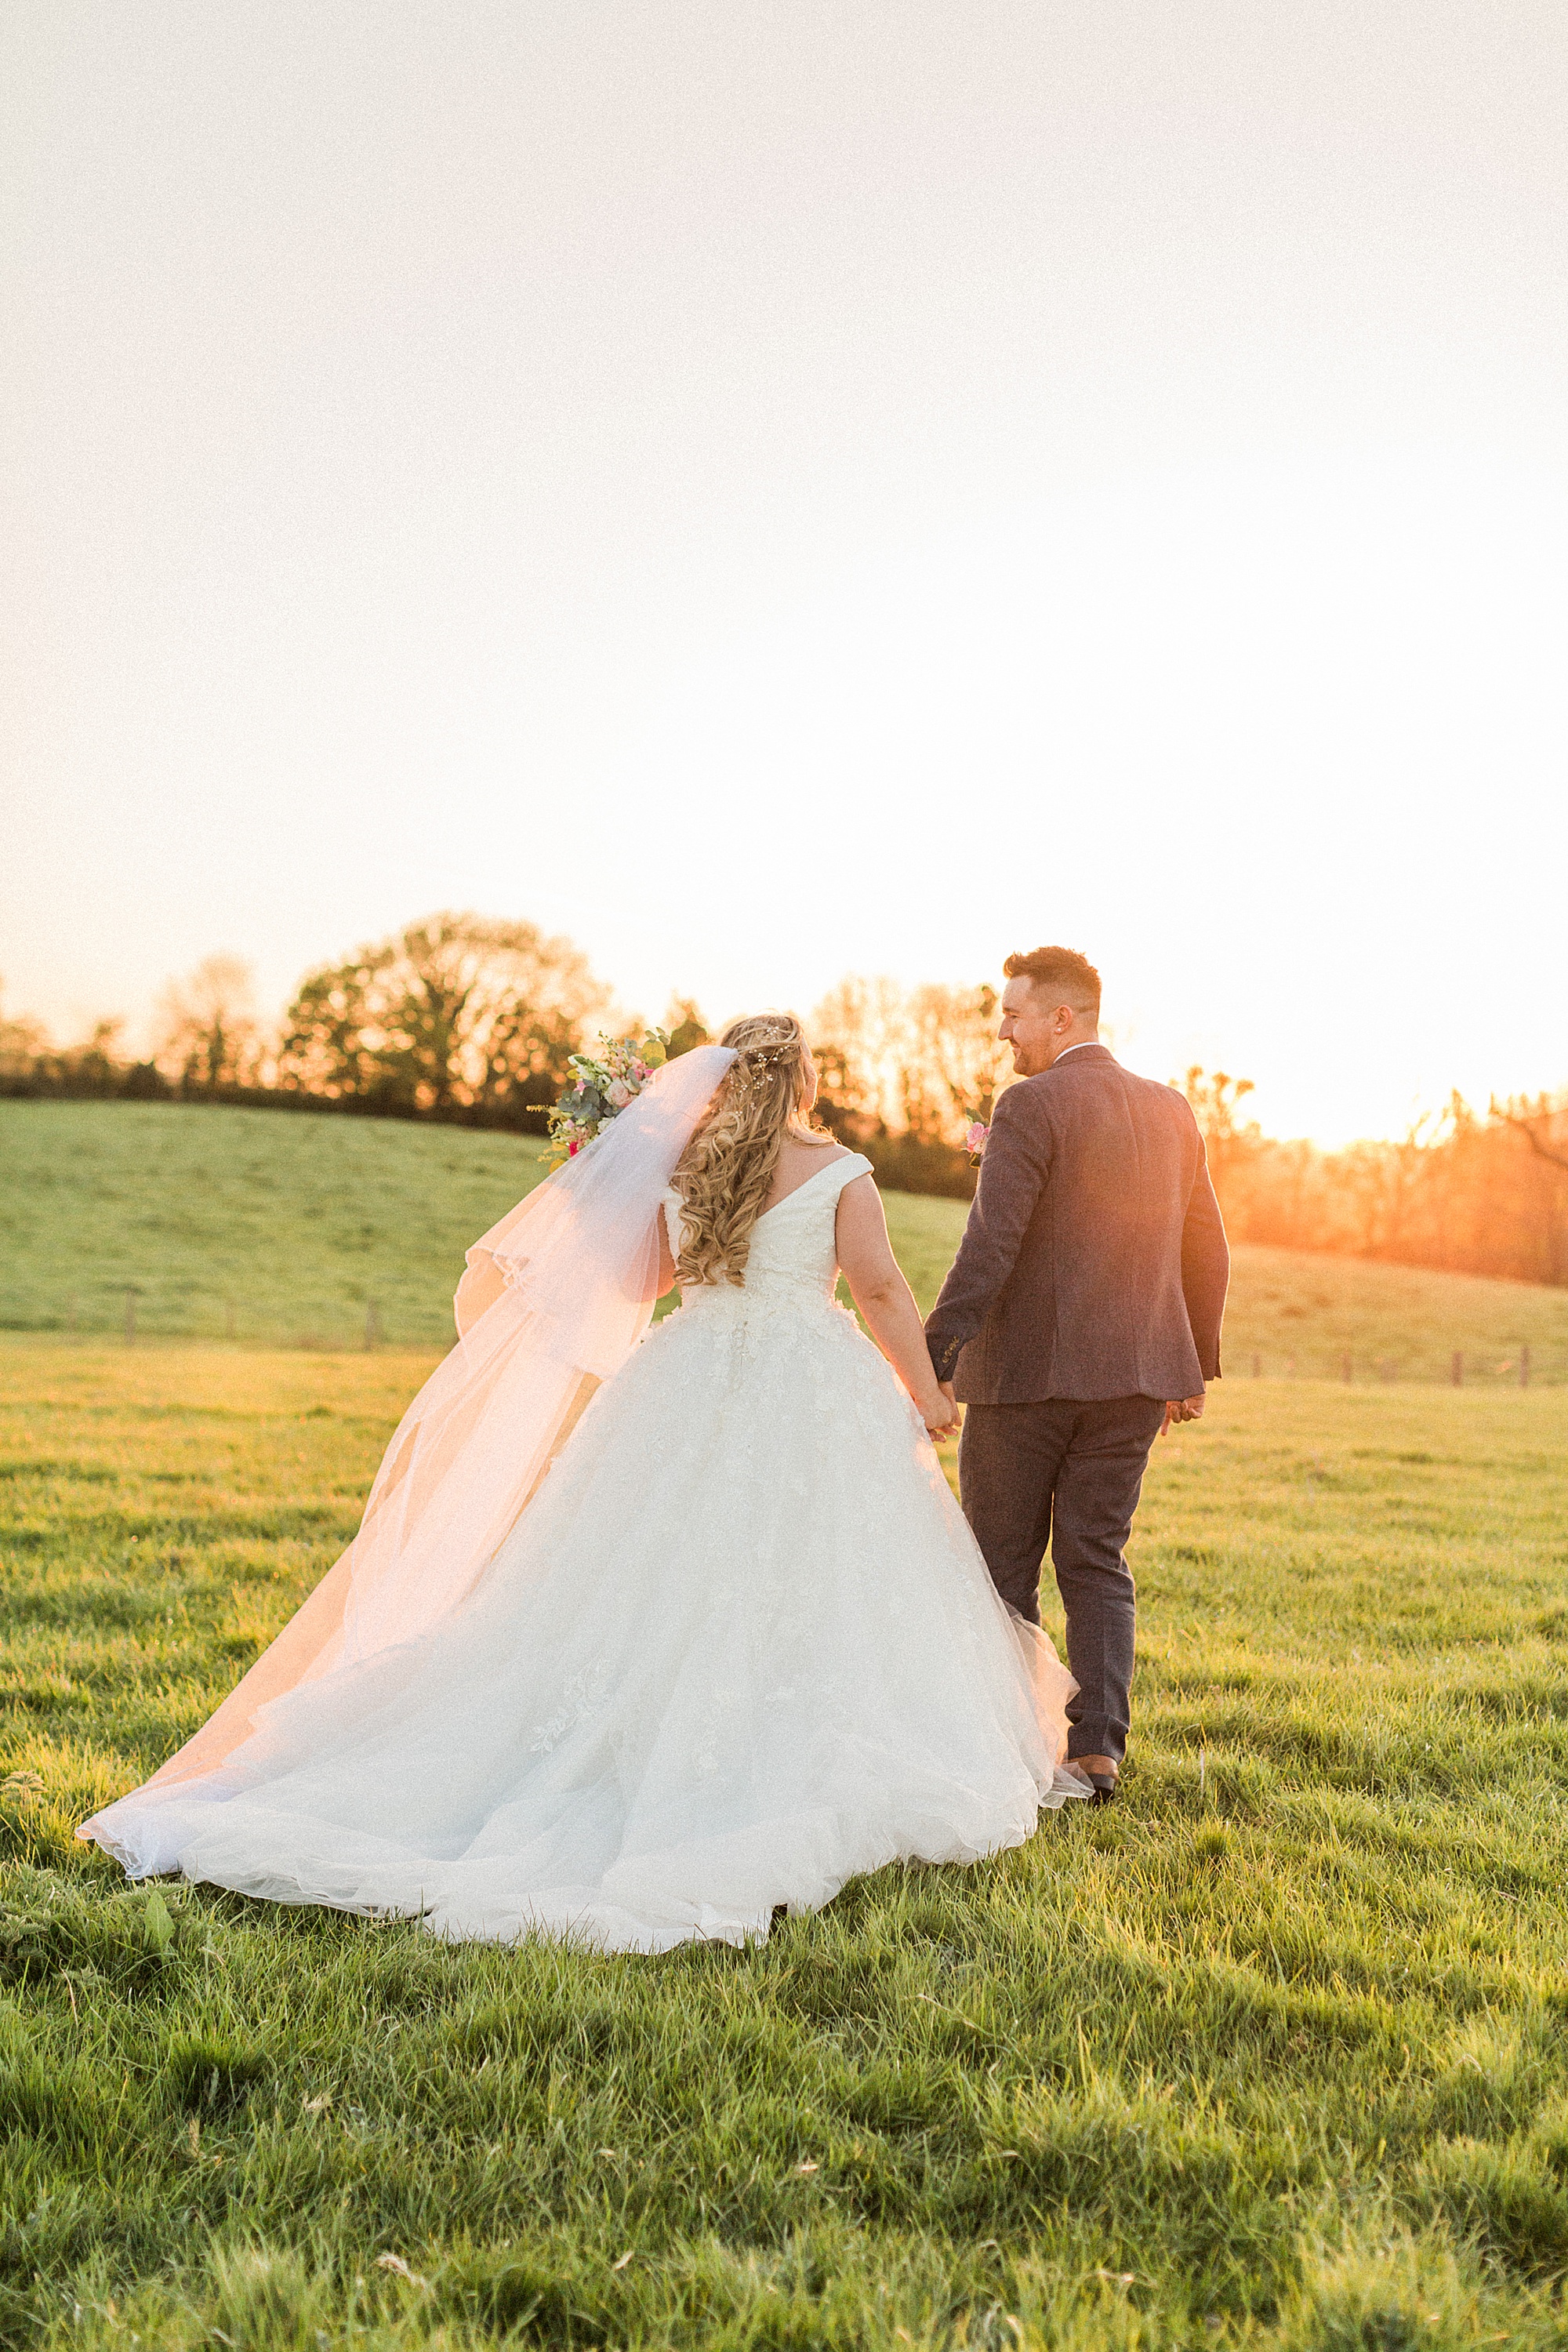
802 1157
813 1151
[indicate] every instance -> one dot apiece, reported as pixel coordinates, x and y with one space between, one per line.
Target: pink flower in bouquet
975 1137
620 1094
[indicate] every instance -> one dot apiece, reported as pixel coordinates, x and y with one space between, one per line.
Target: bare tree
1538 1119
918 1062
955 1066
209 1034
1228 1141
860 1043
22 1040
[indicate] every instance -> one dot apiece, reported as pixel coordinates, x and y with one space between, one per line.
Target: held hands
939 1412
1182 1409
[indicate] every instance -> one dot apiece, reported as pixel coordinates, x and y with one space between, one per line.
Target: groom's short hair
1061 968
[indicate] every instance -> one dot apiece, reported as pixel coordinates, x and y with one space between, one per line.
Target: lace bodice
792 1256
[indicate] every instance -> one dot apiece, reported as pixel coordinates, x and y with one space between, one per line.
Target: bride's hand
886 1301
940 1413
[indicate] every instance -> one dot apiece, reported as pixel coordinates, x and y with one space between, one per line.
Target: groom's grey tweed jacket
1094 1262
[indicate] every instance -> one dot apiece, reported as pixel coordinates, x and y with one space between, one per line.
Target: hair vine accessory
755 1063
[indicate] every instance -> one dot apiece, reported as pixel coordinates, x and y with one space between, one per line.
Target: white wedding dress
740 1647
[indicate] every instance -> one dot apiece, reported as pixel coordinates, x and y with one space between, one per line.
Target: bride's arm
663 1273
877 1284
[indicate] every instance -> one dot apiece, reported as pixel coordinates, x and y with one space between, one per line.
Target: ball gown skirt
738 1648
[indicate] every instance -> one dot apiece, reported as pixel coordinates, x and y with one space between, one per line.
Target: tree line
454 1018
467 1020
1463 1191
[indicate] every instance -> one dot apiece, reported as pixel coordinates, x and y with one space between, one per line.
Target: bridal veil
552 1302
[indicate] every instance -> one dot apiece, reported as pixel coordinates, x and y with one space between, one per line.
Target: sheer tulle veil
554 1300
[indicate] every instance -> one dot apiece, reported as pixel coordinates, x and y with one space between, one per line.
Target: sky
779 490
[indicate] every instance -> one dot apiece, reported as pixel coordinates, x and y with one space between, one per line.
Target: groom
1079 1318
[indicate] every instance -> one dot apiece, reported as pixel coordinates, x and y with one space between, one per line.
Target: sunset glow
774 497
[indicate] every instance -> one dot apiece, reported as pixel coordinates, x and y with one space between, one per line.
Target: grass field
272 1228
1274 2053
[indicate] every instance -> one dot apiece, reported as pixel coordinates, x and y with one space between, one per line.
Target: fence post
1257 1367
1524 1367
1346 1368
228 1318
129 1318
1457 1370
371 1326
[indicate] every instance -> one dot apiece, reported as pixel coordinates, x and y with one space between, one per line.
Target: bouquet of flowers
602 1086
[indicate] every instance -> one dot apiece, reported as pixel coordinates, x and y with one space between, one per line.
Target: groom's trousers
1067 1475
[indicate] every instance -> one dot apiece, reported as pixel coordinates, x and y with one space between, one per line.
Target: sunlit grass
268 1227
1272 2053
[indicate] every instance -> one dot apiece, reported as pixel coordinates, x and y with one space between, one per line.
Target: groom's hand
1182 1409
946 1424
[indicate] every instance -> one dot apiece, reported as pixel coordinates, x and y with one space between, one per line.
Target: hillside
269 1226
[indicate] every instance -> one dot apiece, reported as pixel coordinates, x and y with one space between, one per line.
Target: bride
642 1636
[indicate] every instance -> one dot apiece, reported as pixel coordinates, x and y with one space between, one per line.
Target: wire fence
136 1319
1529 1366
132 1316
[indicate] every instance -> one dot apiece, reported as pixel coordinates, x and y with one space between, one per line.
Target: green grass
279 1228
1302 1312
1273 2053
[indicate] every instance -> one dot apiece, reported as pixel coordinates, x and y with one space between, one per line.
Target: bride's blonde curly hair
726 1172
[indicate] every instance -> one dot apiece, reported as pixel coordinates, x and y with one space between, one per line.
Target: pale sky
775 491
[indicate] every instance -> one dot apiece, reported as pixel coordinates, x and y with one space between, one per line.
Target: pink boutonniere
977 1135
